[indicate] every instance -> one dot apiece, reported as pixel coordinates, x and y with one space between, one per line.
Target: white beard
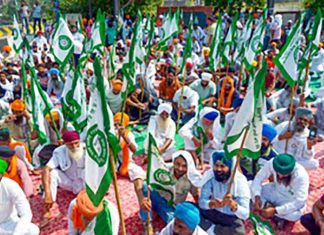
76 154
164 124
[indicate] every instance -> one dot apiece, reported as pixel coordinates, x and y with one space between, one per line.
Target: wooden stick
114 175
149 228
202 155
290 115
307 70
238 158
181 100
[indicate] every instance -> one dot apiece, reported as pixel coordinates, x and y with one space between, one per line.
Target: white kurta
113 215
15 212
168 230
229 121
297 146
290 201
66 173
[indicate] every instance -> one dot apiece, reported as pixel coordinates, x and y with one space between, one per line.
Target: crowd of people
203 103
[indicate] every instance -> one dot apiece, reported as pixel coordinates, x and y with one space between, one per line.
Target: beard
264 149
19 120
76 153
222 177
164 124
299 128
169 82
285 181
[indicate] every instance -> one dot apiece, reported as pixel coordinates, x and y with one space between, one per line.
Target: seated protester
42 76
223 213
83 215
19 123
314 221
55 86
186 221
191 76
282 98
206 129
226 96
286 194
230 117
15 212
147 86
249 166
7 53
4 108
163 129
169 85
65 170
206 88
138 106
6 88
319 114
125 165
11 70
300 145
114 96
20 148
186 179
17 170
189 105
283 114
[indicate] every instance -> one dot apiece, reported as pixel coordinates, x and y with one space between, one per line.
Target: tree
233 6
314 5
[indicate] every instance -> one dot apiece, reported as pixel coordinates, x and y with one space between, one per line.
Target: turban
188 214
6 48
117 85
164 107
3 166
269 132
254 63
4 134
211 116
6 152
220 156
18 105
39 33
70 136
54 71
301 111
118 117
206 51
206 76
189 63
55 115
284 164
273 44
171 69
237 103
85 206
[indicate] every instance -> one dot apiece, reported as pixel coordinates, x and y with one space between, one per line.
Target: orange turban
118 116
6 48
84 207
55 115
117 85
18 105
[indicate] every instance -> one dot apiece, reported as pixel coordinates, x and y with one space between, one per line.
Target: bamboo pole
149 228
290 116
202 155
114 175
307 69
238 158
180 101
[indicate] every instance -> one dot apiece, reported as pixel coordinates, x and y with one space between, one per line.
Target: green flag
243 39
100 138
229 41
187 51
97 40
314 36
261 227
170 27
214 54
249 117
16 36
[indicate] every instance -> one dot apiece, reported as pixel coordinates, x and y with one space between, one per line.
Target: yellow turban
55 115
18 105
206 51
6 48
117 85
118 116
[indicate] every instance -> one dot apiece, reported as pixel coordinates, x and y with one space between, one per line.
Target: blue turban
211 116
269 132
237 103
188 213
6 152
220 156
54 71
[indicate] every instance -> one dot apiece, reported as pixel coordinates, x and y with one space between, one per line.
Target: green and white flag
41 105
62 43
74 100
214 55
249 117
170 27
148 46
288 58
97 41
100 138
261 227
229 41
187 51
16 36
101 224
244 39
159 176
315 33
255 45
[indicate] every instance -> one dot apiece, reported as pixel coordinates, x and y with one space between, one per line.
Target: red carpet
58 226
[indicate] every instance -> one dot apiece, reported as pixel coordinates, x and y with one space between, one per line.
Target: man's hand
60 142
229 201
287 135
121 131
10 118
310 143
48 201
268 213
197 142
258 203
209 134
162 150
146 204
215 203
321 225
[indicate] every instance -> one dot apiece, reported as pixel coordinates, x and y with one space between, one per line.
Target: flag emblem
15 34
255 44
163 177
97 150
64 42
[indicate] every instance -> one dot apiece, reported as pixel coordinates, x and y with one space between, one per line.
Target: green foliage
233 6
314 5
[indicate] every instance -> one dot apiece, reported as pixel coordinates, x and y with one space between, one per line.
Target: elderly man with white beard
65 170
163 129
300 144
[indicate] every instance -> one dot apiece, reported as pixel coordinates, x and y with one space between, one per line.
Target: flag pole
290 114
307 70
238 158
181 100
149 228
202 155
114 175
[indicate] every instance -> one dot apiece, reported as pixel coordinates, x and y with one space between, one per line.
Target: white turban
206 76
164 107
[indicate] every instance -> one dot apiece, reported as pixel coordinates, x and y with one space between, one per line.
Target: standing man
37 16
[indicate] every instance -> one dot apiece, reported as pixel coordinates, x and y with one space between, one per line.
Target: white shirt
168 230
13 204
297 191
192 98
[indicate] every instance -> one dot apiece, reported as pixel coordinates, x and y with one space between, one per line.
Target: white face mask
76 153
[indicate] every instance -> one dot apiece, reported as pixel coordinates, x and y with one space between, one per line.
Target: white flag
16 36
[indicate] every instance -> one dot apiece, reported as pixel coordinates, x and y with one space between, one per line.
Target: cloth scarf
13 172
228 102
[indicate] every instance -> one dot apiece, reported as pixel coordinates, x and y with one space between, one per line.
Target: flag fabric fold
16 36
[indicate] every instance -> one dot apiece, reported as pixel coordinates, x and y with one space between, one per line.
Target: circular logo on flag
89 45
255 44
15 34
97 146
64 42
163 177
296 54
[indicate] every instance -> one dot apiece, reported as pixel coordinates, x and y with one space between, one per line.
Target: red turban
70 136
